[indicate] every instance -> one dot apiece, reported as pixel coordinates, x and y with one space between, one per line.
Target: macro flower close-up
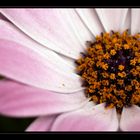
73 69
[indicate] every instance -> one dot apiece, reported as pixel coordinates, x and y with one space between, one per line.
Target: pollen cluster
110 69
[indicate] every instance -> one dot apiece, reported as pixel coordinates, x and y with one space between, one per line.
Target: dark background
14 124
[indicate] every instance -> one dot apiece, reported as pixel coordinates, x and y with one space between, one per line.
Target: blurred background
14 124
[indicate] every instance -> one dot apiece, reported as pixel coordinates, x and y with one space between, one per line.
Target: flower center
110 70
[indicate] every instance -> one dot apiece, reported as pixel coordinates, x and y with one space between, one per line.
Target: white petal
130 119
79 29
91 19
52 28
112 19
135 21
127 21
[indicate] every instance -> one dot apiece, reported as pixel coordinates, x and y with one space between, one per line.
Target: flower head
39 48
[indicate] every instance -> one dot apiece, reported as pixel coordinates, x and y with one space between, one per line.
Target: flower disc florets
110 69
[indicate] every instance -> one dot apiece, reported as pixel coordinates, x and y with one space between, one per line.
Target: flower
38 50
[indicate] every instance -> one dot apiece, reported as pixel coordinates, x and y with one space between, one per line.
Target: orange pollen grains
110 69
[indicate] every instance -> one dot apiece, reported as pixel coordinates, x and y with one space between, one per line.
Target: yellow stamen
133 62
112 76
126 46
122 74
104 66
113 52
121 67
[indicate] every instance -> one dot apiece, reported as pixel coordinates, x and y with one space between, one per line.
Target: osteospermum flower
74 69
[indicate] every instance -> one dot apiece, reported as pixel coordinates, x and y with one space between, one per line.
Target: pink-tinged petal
22 64
112 19
91 20
95 119
51 27
42 123
10 32
32 66
24 101
130 119
135 21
